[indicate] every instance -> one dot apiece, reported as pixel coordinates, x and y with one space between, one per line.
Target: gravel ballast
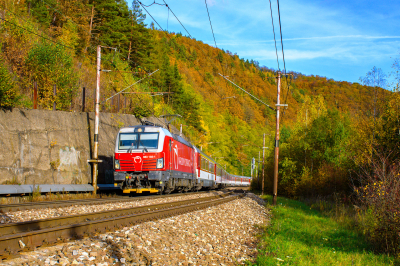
219 235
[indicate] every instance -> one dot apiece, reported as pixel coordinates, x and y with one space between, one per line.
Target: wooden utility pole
278 107
263 178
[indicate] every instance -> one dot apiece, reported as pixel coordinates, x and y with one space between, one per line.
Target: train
149 158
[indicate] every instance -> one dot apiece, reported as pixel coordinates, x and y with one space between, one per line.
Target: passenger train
149 158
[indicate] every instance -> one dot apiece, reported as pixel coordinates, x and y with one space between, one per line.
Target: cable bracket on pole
283 105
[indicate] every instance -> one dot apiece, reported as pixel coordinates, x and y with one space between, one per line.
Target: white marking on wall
69 157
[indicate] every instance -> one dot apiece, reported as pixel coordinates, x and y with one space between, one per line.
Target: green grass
299 235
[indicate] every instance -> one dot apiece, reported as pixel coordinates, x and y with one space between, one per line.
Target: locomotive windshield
144 140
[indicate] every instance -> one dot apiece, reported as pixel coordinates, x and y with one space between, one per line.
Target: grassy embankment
300 235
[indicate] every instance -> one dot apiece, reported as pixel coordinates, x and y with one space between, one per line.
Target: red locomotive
149 158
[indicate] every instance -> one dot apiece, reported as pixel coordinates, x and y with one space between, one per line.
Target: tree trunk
129 52
90 28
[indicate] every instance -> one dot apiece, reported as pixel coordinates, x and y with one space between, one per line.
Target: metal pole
83 99
96 122
275 191
54 94
263 178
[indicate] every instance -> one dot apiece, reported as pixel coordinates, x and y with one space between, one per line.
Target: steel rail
11 244
20 227
65 203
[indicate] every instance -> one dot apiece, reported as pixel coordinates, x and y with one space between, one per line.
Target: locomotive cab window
138 140
148 140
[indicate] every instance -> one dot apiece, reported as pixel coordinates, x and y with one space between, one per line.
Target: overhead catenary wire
154 3
280 29
283 58
130 86
247 92
212 30
276 50
112 63
200 49
41 36
92 35
205 1
273 30
190 37
161 28
49 39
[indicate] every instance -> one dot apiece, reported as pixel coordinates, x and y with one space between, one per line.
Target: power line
112 62
205 1
154 3
170 39
212 30
119 72
130 86
92 35
276 51
192 38
247 92
41 36
273 30
280 28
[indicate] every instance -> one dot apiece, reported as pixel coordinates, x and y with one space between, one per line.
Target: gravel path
45 213
219 235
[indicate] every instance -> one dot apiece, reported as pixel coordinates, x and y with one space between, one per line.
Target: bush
378 191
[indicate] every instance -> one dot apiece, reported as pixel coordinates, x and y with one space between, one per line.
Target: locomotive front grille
148 165
127 165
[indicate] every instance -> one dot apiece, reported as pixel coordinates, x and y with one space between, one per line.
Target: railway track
66 203
22 236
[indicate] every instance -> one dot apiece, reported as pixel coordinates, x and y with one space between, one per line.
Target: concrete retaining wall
47 147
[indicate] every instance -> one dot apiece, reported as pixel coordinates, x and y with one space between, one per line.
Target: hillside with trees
337 137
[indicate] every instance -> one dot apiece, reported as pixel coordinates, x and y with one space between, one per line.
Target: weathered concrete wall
47 147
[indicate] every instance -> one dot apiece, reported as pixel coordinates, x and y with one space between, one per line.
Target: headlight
116 164
160 163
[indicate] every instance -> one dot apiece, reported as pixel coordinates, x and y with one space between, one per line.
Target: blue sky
337 39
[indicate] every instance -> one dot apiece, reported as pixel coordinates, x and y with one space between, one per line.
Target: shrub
378 191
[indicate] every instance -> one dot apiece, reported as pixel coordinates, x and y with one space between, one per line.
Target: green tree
114 25
50 65
8 94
